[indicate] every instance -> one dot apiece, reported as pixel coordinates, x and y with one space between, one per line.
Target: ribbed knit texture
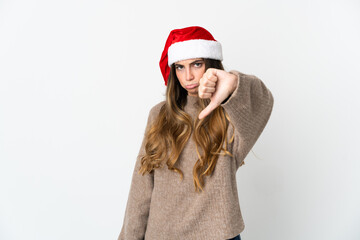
162 207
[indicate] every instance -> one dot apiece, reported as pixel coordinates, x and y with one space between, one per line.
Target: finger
206 111
211 74
205 95
205 89
205 82
209 84
212 78
209 89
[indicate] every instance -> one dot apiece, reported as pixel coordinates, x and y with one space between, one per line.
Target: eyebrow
199 60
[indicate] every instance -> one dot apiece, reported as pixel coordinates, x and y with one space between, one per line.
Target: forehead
188 61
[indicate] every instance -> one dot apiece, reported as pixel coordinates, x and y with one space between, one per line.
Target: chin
193 92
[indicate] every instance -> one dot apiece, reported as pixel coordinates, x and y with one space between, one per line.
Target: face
189 72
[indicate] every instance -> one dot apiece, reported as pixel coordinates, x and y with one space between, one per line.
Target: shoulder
154 110
244 75
249 82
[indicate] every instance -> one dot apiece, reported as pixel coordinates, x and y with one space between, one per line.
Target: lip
192 86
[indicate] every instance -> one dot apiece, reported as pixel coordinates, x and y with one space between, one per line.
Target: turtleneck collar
191 100
191 106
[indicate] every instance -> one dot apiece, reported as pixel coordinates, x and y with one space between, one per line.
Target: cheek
179 76
200 73
202 70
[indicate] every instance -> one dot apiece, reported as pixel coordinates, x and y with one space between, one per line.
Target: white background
78 78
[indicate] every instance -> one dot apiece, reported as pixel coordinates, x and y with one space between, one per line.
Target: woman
184 181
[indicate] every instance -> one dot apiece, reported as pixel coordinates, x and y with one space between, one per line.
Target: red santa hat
187 43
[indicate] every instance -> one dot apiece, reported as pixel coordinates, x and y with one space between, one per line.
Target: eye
198 64
178 67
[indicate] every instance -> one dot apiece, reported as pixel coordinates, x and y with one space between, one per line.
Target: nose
189 74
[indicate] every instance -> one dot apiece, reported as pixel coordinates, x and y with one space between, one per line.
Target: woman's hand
217 85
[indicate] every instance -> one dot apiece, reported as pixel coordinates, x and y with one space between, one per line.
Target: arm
138 203
249 108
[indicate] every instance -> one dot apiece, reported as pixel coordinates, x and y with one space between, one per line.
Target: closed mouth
191 85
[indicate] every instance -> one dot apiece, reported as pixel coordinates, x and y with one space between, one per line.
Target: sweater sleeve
249 108
138 203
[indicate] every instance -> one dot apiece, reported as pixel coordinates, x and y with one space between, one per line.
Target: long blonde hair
172 128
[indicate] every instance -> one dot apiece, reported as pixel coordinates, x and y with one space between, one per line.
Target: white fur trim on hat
196 48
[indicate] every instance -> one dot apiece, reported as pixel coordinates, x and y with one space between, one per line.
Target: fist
217 85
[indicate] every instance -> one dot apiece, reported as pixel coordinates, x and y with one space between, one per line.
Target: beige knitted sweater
161 206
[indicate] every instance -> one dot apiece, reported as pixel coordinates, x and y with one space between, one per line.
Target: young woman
184 181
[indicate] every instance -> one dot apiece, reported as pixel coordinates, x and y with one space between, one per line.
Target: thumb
209 108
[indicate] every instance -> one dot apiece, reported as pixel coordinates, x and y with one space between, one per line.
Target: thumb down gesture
217 85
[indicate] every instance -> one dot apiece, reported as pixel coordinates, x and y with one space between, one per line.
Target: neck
192 99
191 102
